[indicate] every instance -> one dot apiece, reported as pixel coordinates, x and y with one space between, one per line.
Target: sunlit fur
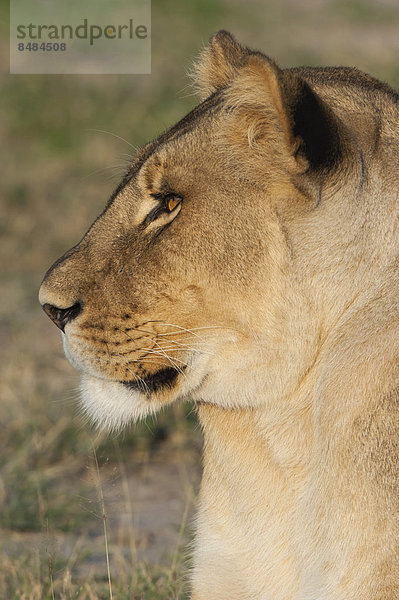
273 294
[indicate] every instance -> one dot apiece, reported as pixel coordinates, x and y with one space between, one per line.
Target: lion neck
263 466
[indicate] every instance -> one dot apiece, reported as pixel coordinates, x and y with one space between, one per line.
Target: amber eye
171 201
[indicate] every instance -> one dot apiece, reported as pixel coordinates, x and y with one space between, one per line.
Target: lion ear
217 64
280 106
276 103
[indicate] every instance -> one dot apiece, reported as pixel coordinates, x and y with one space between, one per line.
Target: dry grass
31 577
73 530
56 175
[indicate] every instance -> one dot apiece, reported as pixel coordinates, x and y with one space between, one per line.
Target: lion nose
62 316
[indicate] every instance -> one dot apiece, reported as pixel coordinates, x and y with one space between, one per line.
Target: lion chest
247 537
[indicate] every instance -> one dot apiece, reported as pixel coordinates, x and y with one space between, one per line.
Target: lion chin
112 405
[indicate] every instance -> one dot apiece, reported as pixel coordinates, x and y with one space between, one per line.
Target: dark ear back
313 123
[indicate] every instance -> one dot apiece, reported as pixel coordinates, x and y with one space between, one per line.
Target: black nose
62 316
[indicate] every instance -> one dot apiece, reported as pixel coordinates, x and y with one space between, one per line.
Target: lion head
218 266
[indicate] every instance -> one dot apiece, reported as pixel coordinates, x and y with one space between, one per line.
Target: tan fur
272 291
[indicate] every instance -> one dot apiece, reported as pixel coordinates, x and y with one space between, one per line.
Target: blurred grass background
57 173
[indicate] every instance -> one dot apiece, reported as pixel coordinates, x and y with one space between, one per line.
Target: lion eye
167 204
171 201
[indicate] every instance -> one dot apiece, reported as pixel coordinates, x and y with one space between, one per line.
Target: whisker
182 347
117 168
182 332
155 353
136 377
126 156
149 362
190 331
140 380
197 328
174 365
185 347
165 347
193 330
161 352
114 135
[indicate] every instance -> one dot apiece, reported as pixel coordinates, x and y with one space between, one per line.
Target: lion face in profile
172 289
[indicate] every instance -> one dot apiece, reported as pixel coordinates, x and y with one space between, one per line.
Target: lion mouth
154 382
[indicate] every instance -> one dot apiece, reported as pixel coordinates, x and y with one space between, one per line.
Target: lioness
249 260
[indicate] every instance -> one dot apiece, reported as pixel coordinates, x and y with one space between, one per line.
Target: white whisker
190 348
117 168
115 136
175 366
156 354
163 353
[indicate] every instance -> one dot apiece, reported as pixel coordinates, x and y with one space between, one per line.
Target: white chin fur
110 405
